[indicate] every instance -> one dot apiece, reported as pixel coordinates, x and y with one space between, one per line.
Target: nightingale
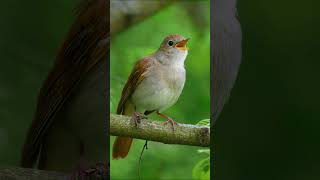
154 85
68 132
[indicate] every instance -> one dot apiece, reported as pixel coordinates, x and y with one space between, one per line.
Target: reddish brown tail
121 147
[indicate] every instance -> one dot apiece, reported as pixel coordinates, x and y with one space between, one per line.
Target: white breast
161 89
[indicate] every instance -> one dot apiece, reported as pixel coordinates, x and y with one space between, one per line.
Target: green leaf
206 151
201 171
204 122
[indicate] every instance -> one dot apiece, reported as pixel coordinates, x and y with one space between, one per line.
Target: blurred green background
270 127
163 161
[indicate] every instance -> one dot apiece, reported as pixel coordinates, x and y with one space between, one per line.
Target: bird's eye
170 43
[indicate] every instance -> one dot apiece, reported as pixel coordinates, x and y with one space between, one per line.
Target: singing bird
69 126
154 85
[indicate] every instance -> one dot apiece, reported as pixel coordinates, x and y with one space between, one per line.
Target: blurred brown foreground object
226 52
62 136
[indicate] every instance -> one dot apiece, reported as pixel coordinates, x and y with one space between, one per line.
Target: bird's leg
169 120
137 116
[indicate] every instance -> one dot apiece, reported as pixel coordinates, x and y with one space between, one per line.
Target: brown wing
86 44
135 78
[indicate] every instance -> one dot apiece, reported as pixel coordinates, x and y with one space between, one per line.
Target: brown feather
86 44
135 78
122 145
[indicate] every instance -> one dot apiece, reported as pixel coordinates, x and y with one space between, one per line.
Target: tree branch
122 126
154 131
16 173
125 13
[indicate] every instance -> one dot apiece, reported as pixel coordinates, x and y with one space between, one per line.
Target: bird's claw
136 118
172 122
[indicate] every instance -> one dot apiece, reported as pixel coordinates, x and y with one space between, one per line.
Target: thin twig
145 146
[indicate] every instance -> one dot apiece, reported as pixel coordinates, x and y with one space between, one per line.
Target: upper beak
182 45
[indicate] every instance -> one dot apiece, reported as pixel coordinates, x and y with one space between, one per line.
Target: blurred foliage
204 122
163 161
202 168
201 171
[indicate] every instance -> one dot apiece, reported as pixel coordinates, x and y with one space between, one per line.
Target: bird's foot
172 122
169 120
136 118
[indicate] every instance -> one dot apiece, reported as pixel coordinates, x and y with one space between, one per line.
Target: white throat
176 58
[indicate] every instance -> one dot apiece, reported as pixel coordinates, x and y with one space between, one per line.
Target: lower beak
182 45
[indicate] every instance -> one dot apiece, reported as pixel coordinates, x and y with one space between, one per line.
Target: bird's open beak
182 45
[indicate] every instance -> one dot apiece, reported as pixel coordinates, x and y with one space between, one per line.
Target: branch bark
16 173
125 13
154 131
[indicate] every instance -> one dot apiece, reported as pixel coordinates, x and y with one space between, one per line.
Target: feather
136 77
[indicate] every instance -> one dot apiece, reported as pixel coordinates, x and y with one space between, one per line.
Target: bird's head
173 50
